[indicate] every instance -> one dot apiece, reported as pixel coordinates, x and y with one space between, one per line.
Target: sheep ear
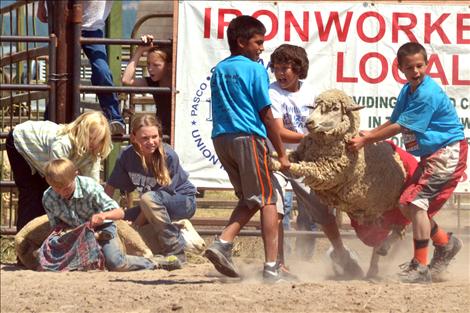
354 108
311 107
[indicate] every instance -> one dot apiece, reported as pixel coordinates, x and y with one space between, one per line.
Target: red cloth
77 249
374 235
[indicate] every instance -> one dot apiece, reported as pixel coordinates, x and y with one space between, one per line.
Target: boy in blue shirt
242 119
432 131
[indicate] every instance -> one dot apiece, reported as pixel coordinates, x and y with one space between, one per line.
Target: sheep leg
289 153
373 271
194 242
382 250
274 164
295 168
130 240
390 241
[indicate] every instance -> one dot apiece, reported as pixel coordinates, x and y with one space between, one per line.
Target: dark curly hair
294 55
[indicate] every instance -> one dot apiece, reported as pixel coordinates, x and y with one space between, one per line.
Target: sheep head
334 116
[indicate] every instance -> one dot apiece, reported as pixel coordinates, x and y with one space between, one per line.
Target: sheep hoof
373 272
345 264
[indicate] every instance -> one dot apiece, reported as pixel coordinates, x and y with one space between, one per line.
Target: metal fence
28 84
28 81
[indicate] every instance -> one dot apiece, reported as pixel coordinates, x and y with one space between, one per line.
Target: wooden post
20 46
114 30
76 26
64 66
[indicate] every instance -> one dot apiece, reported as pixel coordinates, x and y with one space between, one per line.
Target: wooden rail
23 97
201 222
214 225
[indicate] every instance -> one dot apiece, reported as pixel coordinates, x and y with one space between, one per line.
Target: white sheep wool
366 183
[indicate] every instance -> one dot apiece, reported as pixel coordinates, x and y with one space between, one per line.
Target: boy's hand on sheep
356 143
284 162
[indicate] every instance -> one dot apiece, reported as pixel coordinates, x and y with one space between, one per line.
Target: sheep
365 184
31 236
140 241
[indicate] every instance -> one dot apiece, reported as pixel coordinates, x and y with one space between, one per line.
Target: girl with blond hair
152 168
30 145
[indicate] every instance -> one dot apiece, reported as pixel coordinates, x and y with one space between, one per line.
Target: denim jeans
161 208
305 245
115 259
101 75
288 195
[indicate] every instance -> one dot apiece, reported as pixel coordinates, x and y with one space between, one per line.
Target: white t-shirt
95 13
292 107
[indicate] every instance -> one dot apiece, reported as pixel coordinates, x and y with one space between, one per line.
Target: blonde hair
90 123
60 172
158 160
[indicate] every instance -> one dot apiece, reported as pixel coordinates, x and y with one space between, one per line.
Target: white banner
351 46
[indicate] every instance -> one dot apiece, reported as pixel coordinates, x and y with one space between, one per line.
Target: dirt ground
199 288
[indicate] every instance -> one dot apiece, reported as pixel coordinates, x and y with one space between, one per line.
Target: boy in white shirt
291 104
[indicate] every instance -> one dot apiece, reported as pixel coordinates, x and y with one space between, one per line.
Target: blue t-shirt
129 174
239 91
429 117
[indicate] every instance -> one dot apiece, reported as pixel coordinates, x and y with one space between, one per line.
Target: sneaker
117 128
286 273
271 274
168 263
345 263
414 272
278 273
443 255
220 255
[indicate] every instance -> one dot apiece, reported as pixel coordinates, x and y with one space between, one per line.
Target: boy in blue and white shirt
432 131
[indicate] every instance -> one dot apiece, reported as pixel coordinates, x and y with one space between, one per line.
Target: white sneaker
193 242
